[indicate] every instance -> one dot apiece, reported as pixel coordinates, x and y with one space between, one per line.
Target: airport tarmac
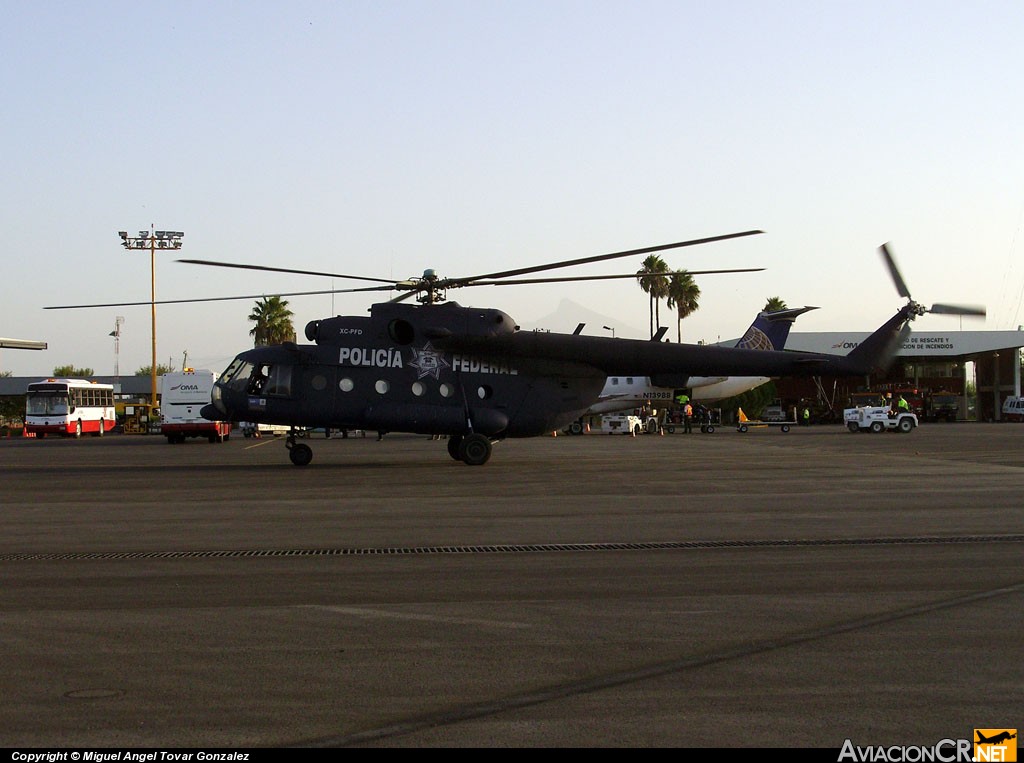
725 590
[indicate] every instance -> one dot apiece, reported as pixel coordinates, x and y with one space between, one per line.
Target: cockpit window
236 376
231 371
258 379
266 379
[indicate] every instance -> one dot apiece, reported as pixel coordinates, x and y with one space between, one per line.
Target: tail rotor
916 308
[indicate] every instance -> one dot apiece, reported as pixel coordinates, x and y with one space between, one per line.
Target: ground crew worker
806 417
903 405
687 418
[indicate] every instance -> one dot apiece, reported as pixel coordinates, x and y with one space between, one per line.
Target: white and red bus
69 407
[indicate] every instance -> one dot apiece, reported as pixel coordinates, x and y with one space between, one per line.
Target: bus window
46 403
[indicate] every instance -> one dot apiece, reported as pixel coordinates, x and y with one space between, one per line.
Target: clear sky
380 139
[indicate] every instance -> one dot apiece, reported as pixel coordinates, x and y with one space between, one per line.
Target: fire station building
928 364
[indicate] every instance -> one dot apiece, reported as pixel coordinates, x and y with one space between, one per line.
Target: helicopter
468 373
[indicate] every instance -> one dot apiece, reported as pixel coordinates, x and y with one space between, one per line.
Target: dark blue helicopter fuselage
392 371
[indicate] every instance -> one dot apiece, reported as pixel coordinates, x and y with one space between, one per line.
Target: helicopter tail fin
875 354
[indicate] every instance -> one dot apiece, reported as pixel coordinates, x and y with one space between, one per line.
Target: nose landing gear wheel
300 454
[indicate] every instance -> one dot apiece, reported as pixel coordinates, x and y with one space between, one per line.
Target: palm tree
273 322
773 304
684 296
654 282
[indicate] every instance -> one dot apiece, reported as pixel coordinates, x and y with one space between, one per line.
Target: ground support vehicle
942 406
250 429
879 419
775 412
745 424
1013 409
182 395
622 423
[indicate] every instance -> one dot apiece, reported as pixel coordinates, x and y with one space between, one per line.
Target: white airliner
769 331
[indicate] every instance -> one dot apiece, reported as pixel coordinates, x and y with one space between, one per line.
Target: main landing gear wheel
454 443
301 454
575 428
475 449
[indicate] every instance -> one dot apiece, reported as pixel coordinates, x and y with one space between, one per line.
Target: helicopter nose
213 411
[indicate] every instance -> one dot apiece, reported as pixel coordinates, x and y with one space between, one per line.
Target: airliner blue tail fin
769 331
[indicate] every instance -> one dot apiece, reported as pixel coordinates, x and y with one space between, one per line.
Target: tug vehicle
879 418
622 423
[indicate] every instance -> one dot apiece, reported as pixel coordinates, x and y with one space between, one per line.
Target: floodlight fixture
152 240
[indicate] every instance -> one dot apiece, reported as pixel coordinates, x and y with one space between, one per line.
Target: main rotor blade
976 310
897 279
563 279
269 269
454 282
223 299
